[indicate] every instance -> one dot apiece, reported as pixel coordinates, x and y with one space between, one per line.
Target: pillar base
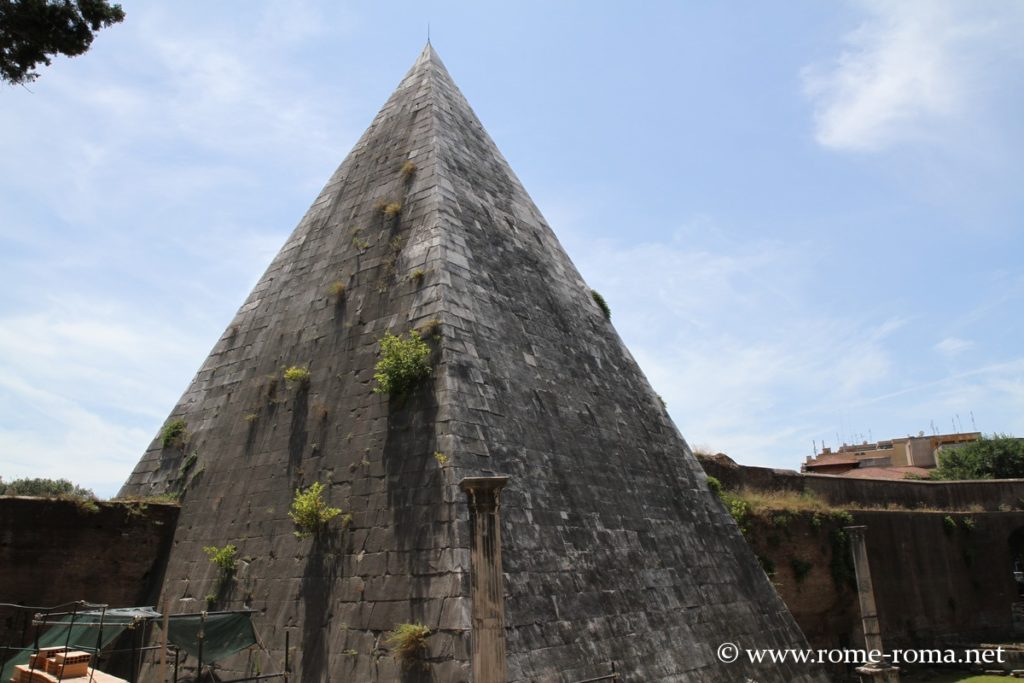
878 674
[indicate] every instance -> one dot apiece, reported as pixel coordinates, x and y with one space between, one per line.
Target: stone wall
1003 494
56 551
939 578
935 581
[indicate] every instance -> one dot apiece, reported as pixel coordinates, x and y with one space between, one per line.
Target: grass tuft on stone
298 375
174 434
602 304
407 641
337 289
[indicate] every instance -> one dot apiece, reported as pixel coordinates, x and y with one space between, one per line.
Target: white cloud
753 359
952 346
726 333
988 398
84 385
907 69
69 442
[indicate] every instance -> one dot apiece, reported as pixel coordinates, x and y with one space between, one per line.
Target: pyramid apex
429 55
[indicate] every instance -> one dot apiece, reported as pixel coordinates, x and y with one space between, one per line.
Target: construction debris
54 664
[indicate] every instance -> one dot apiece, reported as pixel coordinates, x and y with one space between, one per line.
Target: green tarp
224 633
82 631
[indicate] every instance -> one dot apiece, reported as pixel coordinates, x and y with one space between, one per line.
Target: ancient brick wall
1004 494
55 551
936 581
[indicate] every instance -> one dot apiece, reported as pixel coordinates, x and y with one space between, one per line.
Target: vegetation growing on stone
297 374
801 568
169 498
431 328
407 641
740 511
310 512
841 562
187 463
441 458
225 558
337 289
417 275
737 507
392 209
174 434
714 485
358 240
602 304
404 362
408 168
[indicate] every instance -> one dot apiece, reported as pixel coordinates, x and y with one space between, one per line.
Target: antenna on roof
974 427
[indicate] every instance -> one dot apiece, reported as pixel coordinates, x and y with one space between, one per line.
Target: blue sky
805 216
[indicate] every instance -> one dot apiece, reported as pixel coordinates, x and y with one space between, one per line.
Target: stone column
488 587
868 612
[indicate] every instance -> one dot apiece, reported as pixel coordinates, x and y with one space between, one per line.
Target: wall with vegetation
939 577
58 551
991 495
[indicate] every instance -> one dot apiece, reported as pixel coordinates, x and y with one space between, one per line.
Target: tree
33 30
47 488
999 456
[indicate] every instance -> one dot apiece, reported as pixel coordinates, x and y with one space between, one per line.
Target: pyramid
615 557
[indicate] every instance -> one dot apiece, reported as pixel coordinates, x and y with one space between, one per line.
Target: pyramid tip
429 56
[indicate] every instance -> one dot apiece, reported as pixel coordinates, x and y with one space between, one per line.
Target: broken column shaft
488 587
868 611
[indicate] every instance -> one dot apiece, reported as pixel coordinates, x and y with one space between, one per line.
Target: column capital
495 483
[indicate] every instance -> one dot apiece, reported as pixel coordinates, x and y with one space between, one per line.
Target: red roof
886 472
827 459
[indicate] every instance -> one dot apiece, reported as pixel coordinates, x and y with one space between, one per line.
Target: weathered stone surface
615 554
53 552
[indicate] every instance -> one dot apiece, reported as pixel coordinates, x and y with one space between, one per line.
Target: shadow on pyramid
616 558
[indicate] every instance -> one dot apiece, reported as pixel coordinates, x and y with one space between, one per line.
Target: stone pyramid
615 555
